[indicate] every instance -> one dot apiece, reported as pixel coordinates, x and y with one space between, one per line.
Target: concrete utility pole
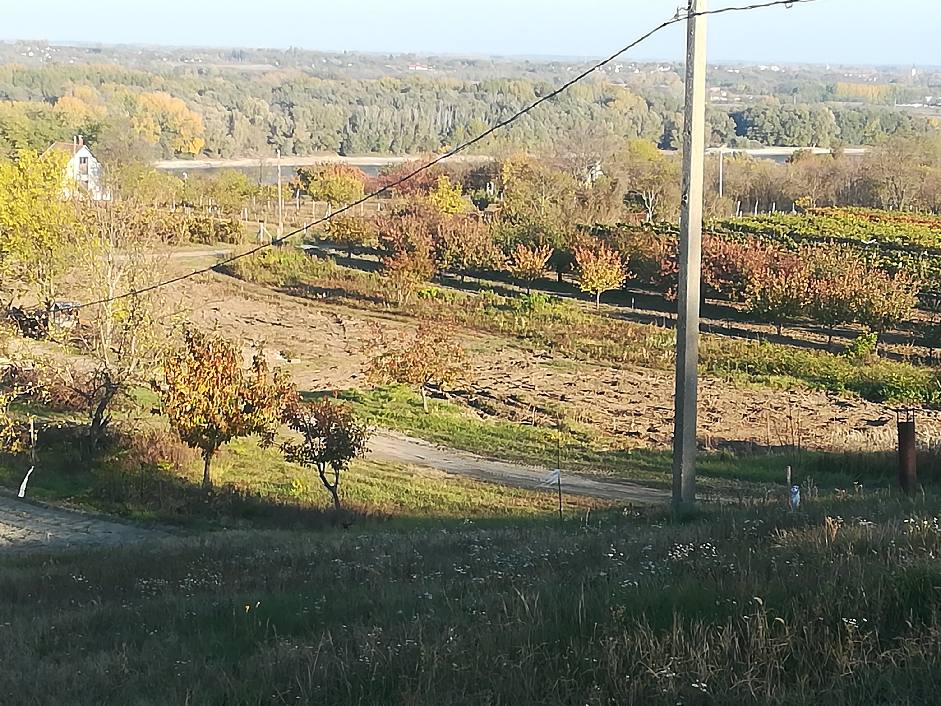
690 260
721 171
280 200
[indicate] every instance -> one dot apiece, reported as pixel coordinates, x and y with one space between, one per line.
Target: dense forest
148 107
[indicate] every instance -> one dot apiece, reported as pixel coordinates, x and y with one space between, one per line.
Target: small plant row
864 225
893 241
827 284
830 285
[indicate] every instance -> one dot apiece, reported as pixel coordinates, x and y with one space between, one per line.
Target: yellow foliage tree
160 117
38 226
432 356
211 398
600 269
529 263
447 198
77 111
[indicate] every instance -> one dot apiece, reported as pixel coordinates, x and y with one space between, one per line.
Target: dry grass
835 604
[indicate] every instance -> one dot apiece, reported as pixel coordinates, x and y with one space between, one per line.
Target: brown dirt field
323 346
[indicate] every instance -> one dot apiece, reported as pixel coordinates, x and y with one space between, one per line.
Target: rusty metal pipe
908 476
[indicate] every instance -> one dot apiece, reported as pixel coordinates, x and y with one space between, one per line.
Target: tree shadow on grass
309 291
114 480
362 258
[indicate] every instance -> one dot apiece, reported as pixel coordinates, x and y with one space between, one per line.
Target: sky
900 32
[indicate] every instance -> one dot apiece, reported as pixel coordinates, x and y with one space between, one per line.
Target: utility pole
690 261
280 199
721 175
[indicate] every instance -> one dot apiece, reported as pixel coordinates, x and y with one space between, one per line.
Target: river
265 169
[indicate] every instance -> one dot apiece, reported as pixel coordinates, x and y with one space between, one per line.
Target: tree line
142 114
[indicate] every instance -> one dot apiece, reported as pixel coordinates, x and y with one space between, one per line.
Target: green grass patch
875 379
586 450
256 487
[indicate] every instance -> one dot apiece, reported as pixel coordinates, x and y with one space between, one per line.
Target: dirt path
29 526
389 446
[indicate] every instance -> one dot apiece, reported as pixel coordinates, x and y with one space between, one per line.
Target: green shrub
863 346
281 267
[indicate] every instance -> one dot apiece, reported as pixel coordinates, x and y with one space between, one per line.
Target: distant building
82 169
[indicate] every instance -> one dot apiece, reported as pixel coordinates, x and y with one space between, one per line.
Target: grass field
838 603
588 451
150 476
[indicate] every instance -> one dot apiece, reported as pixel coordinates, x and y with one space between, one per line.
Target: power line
680 16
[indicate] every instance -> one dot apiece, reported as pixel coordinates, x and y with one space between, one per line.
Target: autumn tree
336 183
895 170
351 232
330 438
447 198
210 398
651 177
813 179
406 238
466 246
419 184
121 338
600 268
886 300
160 118
39 234
837 285
779 288
430 356
727 264
529 263
539 209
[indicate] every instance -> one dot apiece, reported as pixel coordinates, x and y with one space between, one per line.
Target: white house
82 169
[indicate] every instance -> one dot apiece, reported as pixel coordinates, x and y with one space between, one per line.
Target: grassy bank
586 450
835 604
149 477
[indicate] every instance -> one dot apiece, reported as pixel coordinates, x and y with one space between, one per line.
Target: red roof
70 148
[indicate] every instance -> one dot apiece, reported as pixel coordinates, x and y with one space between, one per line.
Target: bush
863 346
207 230
281 267
152 450
532 303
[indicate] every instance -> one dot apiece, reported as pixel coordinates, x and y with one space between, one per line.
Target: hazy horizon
860 32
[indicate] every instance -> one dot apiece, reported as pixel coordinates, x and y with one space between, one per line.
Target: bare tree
120 339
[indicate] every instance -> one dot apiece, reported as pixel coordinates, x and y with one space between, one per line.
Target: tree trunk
597 300
207 461
332 488
99 418
336 499
424 399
